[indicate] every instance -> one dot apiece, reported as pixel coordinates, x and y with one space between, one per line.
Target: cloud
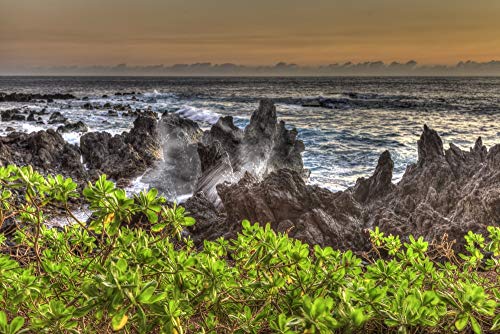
375 68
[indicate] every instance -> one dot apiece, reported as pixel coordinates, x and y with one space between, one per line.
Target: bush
132 269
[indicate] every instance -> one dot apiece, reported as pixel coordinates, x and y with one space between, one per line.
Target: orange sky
105 32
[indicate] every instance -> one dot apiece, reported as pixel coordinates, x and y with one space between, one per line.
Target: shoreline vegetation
131 268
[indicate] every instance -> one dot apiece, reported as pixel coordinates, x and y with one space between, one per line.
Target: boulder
309 213
73 127
57 117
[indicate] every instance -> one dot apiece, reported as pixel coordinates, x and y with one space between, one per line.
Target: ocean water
368 115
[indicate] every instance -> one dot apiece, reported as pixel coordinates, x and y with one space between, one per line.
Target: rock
227 152
445 193
10 129
46 151
210 223
308 213
123 156
377 185
21 97
112 113
88 106
57 117
12 115
73 127
31 117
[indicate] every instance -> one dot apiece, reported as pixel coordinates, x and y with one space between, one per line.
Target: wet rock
122 156
445 193
88 106
10 129
73 127
31 117
210 223
112 113
107 105
57 117
12 115
227 152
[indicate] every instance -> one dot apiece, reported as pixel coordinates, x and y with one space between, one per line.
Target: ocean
360 117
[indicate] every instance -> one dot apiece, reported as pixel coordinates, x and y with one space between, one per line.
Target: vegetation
132 269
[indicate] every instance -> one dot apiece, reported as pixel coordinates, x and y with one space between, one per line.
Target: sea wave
199 114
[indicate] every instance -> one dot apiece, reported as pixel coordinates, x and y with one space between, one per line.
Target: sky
250 32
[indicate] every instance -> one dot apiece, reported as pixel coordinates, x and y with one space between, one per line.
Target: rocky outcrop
44 150
21 97
444 193
122 156
227 152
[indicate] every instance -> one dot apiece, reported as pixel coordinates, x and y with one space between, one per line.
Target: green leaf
475 325
462 321
16 324
119 320
3 319
189 221
147 292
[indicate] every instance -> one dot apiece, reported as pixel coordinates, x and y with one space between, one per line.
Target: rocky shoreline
257 173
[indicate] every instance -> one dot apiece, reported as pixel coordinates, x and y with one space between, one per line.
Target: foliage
132 269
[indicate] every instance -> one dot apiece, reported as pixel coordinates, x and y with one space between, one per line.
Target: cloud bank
376 68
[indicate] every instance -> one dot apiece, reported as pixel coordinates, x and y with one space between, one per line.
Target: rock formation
44 150
446 192
227 152
122 156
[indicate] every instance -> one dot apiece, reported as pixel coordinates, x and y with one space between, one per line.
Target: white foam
136 186
72 137
199 114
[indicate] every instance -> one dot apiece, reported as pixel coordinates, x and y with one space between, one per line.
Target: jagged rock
21 97
73 127
122 156
112 113
377 185
57 117
210 223
445 193
226 152
44 150
308 213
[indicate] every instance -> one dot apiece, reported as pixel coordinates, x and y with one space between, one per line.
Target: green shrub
131 269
